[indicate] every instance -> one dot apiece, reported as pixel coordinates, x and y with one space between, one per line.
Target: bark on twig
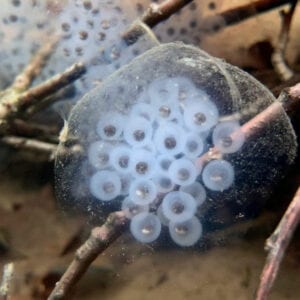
13 104
251 9
278 57
276 246
30 144
33 69
99 240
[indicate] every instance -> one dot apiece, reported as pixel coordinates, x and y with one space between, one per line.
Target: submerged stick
33 69
276 246
13 104
99 240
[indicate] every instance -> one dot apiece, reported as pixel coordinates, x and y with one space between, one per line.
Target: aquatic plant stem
100 239
276 246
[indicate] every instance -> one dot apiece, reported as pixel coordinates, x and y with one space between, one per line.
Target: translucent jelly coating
164 183
110 127
105 185
162 90
186 88
145 227
194 145
186 233
143 164
196 190
163 219
201 115
169 138
183 172
131 209
99 154
143 110
142 191
179 206
228 137
120 158
126 181
218 175
138 132
163 94
163 162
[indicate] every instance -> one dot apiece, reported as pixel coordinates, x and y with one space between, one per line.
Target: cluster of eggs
91 32
150 159
25 27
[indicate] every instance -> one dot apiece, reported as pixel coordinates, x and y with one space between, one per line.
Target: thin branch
33 69
155 14
30 144
249 10
8 272
289 100
13 104
27 129
99 240
51 86
276 246
278 57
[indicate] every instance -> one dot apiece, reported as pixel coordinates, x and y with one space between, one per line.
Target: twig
8 272
51 86
27 129
33 69
246 11
13 104
276 246
30 144
278 56
155 14
99 240
289 100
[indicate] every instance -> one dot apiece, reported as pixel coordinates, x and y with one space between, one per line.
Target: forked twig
99 240
33 69
278 57
276 245
13 104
